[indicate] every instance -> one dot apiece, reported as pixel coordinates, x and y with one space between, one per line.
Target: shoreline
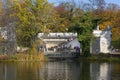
23 57
101 58
40 57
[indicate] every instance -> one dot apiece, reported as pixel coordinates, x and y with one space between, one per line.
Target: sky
107 1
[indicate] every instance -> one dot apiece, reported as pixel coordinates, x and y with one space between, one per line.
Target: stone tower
102 40
8 45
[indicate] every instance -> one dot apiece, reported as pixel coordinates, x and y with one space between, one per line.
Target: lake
59 70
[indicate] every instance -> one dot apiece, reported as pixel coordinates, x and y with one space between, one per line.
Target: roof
56 35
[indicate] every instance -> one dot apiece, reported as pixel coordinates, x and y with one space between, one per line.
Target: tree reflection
59 70
85 71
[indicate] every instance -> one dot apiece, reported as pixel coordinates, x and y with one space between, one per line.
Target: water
60 70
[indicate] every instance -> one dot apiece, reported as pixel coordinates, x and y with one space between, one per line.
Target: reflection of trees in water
40 71
85 71
7 71
48 71
29 70
20 71
100 71
59 71
116 72
62 71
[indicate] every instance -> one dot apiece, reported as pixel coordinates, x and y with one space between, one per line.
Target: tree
65 12
83 25
116 44
81 22
0 16
111 14
97 5
24 20
33 17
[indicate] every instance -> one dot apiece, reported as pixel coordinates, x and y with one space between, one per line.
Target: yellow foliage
1 39
34 50
115 33
105 24
26 57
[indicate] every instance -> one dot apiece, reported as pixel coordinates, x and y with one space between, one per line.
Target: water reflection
7 71
62 70
100 71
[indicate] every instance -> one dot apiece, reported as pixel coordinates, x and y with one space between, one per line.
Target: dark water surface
60 70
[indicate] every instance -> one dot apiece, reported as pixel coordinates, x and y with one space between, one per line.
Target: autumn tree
81 21
0 13
65 12
83 25
111 13
33 17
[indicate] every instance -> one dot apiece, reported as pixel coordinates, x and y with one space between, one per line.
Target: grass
99 58
40 57
29 57
24 57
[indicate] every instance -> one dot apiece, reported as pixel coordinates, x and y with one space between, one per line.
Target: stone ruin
102 42
8 43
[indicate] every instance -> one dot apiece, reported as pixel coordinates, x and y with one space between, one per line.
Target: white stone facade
104 40
59 41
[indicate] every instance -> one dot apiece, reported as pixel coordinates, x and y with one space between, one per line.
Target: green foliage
26 31
26 35
116 44
34 48
32 17
83 24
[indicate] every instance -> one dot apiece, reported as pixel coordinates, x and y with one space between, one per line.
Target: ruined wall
8 45
102 42
95 47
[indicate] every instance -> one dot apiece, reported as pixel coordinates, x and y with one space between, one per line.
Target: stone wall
95 47
8 45
103 41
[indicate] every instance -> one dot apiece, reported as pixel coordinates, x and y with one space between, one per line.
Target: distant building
55 42
100 44
102 41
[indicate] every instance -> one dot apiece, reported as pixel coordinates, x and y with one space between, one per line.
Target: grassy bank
24 57
29 56
32 54
100 58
